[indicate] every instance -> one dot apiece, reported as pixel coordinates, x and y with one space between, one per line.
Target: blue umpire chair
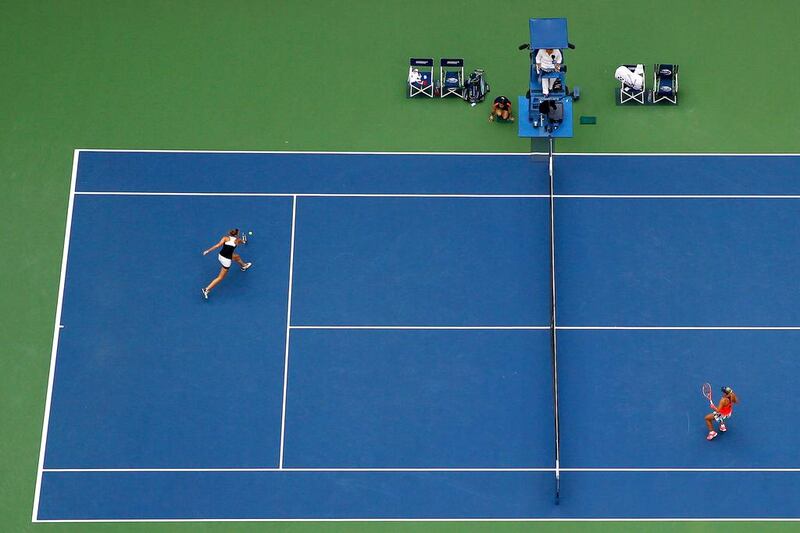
665 83
550 115
451 77
420 77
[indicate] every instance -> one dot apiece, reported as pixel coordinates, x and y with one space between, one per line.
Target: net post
558 484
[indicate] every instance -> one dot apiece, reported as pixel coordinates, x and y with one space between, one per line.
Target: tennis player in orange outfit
721 413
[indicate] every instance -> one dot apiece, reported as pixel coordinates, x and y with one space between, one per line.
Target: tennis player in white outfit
548 60
226 256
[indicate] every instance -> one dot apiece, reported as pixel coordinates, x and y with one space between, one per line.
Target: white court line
292 469
454 519
309 152
423 470
674 154
56 330
559 328
323 152
288 328
425 327
681 328
454 195
309 195
680 196
666 469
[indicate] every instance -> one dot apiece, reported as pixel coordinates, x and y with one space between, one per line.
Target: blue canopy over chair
549 33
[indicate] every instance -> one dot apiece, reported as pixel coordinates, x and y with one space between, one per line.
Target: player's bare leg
710 421
710 424
222 273
242 264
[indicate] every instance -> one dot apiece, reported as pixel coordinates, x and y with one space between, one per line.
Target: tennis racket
707 391
243 236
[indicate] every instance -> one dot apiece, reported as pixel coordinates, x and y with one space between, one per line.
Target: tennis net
553 333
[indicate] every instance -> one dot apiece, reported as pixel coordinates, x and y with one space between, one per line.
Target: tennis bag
476 88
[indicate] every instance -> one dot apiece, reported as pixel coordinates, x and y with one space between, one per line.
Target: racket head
243 236
707 391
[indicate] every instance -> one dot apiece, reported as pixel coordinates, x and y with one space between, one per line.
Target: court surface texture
388 354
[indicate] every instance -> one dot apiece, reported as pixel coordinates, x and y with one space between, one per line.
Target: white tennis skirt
225 261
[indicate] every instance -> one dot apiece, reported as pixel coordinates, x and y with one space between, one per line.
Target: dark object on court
553 109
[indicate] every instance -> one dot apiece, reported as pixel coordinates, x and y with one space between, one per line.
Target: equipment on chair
476 88
420 77
632 83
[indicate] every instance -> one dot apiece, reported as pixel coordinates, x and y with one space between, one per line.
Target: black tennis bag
476 88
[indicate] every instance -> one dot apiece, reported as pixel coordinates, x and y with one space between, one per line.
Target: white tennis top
548 61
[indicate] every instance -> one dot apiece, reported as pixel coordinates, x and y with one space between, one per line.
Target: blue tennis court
388 354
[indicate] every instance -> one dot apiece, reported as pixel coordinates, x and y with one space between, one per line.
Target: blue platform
527 129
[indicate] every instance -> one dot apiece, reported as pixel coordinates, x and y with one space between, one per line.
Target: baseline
460 496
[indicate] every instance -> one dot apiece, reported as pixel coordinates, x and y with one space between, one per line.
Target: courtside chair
420 77
451 77
628 93
665 83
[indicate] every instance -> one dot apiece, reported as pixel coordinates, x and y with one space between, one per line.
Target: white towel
633 79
